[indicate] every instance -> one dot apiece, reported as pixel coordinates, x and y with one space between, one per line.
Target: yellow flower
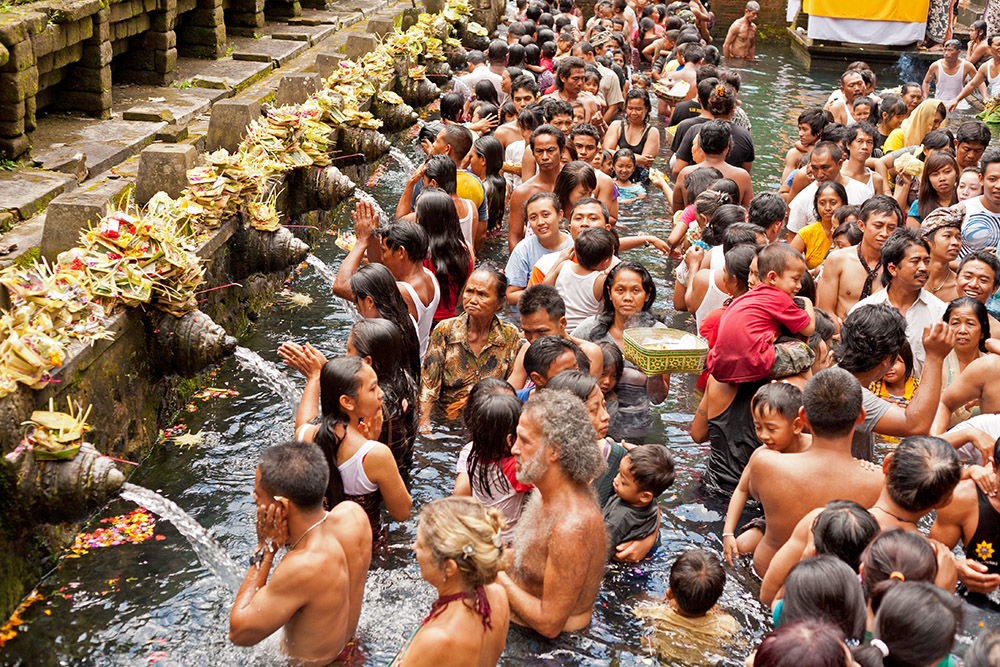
984 550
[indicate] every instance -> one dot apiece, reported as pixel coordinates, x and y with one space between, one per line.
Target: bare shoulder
348 517
836 259
440 645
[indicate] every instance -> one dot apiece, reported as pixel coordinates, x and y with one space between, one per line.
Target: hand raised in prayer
371 427
304 358
365 220
272 526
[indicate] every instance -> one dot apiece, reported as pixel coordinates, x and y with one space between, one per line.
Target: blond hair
465 531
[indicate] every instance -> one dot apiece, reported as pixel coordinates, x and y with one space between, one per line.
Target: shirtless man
570 75
546 145
852 274
315 592
741 40
543 313
715 138
974 518
852 84
523 92
976 383
943 72
587 140
561 544
790 485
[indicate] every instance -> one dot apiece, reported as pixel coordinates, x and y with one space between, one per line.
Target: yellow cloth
695 641
469 187
817 244
893 10
919 123
894 141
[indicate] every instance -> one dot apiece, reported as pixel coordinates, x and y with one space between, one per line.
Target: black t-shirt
685 110
741 148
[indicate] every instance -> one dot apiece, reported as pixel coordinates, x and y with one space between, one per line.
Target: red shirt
744 346
448 303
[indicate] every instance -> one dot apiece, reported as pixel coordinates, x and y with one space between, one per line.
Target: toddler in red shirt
753 338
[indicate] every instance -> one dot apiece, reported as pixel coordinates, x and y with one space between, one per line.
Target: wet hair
611 355
497 51
524 82
849 228
973 132
988 258
728 186
863 101
652 466
585 129
778 257
452 105
740 233
807 286
542 297
844 529
491 151
916 624
508 112
838 190
515 56
530 117
715 136
939 139
825 328
485 110
594 246
555 107
698 181
825 588
565 425
499 279
853 130
607 317
896 555
868 336
340 376
591 200
980 27
642 95
804 642
779 397
462 530
376 281
722 217
832 401
895 247
979 310
295 470
737 264
922 472
985 650
382 341
990 156
442 171
906 355
881 204
927 200
459 138
407 235
834 133
571 176
696 581
550 130
721 100
579 383
491 420
815 117
543 196
448 253
542 353
625 153
565 68
766 208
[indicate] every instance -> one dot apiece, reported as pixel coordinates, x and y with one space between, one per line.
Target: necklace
866 290
935 290
296 543
897 518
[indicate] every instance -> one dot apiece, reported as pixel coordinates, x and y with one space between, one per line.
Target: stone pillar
163 167
228 123
18 82
203 33
296 88
87 85
282 8
245 17
70 213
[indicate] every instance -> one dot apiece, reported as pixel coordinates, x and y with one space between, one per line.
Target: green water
153 603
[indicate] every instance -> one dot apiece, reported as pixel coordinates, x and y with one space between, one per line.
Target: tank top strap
300 432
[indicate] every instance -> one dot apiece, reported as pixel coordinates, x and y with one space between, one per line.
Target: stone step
28 191
173 105
311 34
231 75
277 51
104 143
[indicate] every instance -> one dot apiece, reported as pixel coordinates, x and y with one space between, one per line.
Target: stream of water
156 601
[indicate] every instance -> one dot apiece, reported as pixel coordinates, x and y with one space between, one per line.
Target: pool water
153 603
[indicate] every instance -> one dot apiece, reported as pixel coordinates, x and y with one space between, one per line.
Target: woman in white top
361 469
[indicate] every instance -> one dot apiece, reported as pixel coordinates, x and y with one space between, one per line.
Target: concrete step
104 143
311 34
277 51
28 191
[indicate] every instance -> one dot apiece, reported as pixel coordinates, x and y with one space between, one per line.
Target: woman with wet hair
448 255
635 133
376 295
486 162
826 589
805 643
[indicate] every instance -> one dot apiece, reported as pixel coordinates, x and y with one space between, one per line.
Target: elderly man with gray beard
560 545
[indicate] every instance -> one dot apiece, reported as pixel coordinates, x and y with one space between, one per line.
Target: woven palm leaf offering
656 351
56 436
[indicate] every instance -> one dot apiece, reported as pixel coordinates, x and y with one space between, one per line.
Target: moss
29 257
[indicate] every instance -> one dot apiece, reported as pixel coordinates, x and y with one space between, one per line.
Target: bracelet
729 535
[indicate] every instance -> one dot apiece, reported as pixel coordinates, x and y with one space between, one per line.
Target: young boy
751 344
689 626
775 410
581 283
643 474
810 123
543 213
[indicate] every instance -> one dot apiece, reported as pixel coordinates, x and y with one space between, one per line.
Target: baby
643 474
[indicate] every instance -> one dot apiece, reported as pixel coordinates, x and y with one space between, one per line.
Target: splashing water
211 554
269 373
404 161
361 195
327 274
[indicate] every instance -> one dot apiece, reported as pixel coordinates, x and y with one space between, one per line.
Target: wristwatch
258 556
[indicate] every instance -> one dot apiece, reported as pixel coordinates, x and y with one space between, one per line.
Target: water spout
327 274
361 195
404 161
211 554
269 373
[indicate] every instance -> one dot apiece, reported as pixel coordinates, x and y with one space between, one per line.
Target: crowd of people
855 301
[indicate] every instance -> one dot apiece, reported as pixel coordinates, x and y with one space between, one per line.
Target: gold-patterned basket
686 353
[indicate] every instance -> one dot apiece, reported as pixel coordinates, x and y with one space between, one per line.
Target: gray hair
565 425
753 6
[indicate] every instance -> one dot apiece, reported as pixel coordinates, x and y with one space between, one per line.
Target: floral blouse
451 367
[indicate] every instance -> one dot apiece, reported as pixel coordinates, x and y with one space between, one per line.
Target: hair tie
720 91
897 575
880 645
469 550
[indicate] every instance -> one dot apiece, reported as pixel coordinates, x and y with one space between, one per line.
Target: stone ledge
28 191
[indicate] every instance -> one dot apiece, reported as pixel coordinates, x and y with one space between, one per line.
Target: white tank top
949 85
352 472
716 258
994 81
714 298
578 293
425 314
467 223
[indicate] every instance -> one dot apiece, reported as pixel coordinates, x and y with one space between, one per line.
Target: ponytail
339 377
